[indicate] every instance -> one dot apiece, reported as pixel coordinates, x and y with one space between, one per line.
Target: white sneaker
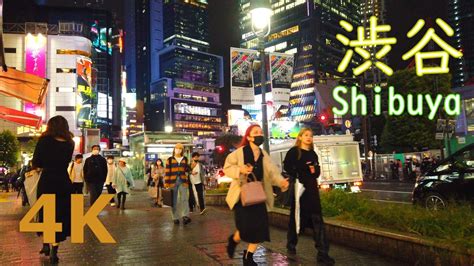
112 204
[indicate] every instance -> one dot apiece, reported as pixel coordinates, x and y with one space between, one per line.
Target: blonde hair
298 142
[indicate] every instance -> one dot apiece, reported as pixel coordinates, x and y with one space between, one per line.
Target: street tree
9 148
407 133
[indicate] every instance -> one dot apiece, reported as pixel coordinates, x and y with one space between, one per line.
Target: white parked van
338 157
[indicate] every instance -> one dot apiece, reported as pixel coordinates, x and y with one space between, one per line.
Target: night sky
402 15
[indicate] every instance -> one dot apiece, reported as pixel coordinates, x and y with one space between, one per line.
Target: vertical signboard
242 90
281 72
35 63
84 94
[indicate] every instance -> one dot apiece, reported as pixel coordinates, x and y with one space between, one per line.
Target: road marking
391 201
386 191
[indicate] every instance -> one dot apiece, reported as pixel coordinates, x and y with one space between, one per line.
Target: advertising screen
85 96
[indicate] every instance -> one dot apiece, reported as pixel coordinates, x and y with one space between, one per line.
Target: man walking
198 182
95 173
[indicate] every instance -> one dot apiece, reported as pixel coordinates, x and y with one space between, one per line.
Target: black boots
325 259
231 245
53 257
121 197
247 258
186 220
124 197
45 250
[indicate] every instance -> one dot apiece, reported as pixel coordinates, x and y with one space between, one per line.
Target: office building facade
169 68
461 19
307 29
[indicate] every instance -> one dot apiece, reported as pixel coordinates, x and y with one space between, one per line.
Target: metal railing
62 28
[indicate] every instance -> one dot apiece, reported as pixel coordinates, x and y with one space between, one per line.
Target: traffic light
220 149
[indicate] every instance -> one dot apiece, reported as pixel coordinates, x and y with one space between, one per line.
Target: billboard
281 72
35 64
242 90
85 95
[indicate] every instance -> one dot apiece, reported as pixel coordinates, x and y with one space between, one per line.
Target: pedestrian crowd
180 183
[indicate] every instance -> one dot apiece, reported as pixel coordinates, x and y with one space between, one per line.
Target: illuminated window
73 52
65 70
280 46
283 33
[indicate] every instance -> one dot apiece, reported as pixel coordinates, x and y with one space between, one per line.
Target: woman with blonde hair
301 163
251 221
177 178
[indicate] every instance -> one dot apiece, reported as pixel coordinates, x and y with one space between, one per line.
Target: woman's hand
284 185
246 169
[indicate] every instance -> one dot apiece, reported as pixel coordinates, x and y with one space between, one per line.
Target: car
449 181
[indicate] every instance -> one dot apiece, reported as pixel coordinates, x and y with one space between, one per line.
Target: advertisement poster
242 90
281 66
35 63
85 95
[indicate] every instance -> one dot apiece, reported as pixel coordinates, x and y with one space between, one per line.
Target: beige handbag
252 193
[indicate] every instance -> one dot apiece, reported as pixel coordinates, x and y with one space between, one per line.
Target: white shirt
179 159
196 179
110 173
78 173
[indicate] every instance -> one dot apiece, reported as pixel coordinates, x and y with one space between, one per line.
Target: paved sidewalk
147 236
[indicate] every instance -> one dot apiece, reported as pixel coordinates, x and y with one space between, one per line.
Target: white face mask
95 152
178 152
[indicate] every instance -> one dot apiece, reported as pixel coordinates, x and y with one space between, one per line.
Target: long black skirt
252 222
62 189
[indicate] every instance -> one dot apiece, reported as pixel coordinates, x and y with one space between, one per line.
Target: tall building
307 29
374 8
185 24
461 19
169 68
62 51
98 26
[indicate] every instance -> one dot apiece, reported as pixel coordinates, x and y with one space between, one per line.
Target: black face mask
258 140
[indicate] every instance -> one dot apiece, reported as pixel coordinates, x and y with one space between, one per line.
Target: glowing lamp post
260 13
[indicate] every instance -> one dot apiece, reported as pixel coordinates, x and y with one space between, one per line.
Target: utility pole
364 127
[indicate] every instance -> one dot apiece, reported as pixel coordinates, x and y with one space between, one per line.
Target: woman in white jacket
121 182
251 221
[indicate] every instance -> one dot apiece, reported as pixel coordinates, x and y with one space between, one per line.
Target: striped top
174 170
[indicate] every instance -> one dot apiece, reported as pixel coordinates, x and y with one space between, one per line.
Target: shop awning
24 86
20 117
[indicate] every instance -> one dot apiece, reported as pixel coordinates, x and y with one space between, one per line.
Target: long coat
121 176
271 177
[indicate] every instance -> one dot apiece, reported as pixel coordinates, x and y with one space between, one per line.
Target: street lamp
168 129
260 13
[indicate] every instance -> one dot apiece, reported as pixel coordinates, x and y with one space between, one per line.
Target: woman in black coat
301 163
52 155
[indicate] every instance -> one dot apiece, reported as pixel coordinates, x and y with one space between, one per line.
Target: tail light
325 186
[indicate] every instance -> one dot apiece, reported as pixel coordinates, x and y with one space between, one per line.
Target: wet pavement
147 236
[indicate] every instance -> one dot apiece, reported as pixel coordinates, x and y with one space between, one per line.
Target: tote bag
31 185
252 193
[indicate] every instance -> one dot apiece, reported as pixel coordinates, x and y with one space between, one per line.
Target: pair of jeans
180 201
77 187
200 196
95 190
111 191
319 234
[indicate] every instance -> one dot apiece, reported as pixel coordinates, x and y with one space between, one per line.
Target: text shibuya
397 104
